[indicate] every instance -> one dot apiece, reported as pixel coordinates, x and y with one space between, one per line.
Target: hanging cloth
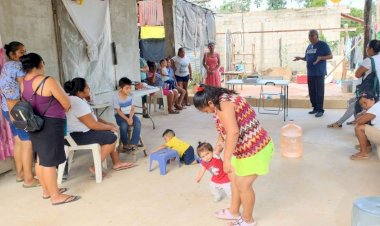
90 18
2 54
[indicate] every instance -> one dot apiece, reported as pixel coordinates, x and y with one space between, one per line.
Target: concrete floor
317 189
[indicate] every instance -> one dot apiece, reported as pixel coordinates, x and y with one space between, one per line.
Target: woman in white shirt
365 69
364 132
182 71
85 128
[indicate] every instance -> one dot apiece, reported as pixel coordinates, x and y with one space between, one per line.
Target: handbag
370 83
24 116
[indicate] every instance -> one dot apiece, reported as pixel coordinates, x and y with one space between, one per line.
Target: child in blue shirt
125 115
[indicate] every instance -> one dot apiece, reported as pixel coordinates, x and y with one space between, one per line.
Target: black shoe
313 112
146 116
319 114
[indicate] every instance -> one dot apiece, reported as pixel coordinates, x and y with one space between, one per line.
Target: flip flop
61 190
359 156
123 167
369 148
19 180
36 183
69 199
225 214
334 125
351 123
241 222
173 112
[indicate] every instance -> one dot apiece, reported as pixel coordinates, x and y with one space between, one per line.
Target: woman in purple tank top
48 143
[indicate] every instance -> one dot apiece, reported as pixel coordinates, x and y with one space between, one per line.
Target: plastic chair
366 212
266 95
153 100
162 157
69 151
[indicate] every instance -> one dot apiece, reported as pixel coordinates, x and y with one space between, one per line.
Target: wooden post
168 6
367 24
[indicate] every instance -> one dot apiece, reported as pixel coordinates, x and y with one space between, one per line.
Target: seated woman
85 128
124 111
364 132
373 50
181 92
154 79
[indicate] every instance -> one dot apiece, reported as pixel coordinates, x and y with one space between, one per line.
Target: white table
103 106
265 82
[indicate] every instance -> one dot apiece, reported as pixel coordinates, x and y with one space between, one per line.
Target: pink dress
6 138
212 79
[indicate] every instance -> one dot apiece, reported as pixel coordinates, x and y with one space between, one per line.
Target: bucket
347 86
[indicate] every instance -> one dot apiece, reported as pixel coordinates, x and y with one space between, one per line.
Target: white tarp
90 19
75 61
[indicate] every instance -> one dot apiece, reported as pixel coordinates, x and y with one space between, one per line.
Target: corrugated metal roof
151 13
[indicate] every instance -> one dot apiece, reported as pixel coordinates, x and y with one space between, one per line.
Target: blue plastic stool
162 157
366 212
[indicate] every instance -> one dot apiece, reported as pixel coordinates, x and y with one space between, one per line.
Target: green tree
233 6
313 3
359 13
276 4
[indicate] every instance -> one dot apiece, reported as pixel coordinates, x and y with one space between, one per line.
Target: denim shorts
182 79
22 134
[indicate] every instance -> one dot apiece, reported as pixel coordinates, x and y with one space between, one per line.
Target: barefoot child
185 150
219 181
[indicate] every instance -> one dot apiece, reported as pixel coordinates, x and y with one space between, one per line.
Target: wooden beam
356 19
292 30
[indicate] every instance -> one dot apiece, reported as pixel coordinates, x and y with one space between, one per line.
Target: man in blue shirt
315 56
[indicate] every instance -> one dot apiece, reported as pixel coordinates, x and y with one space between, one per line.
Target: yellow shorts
256 164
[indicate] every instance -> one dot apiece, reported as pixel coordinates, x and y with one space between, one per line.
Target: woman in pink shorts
154 79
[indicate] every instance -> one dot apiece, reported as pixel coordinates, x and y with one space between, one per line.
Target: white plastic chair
69 151
153 100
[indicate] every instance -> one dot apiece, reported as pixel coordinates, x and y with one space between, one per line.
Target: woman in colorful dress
211 62
247 147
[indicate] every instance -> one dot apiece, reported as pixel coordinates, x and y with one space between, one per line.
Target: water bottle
291 140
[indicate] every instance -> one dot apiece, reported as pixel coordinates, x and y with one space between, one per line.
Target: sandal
177 107
359 156
241 222
61 190
225 214
369 148
36 183
69 199
334 125
173 112
351 123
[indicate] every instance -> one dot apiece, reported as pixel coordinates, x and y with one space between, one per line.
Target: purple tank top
40 103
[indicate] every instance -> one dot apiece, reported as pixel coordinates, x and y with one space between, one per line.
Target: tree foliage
231 6
312 3
276 4
359 13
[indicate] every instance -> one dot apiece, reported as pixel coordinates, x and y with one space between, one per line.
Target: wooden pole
57 33
367 24
168 6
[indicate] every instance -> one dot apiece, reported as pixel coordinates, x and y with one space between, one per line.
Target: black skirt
48 143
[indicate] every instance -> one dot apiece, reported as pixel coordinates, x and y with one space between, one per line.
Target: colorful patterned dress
254 147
